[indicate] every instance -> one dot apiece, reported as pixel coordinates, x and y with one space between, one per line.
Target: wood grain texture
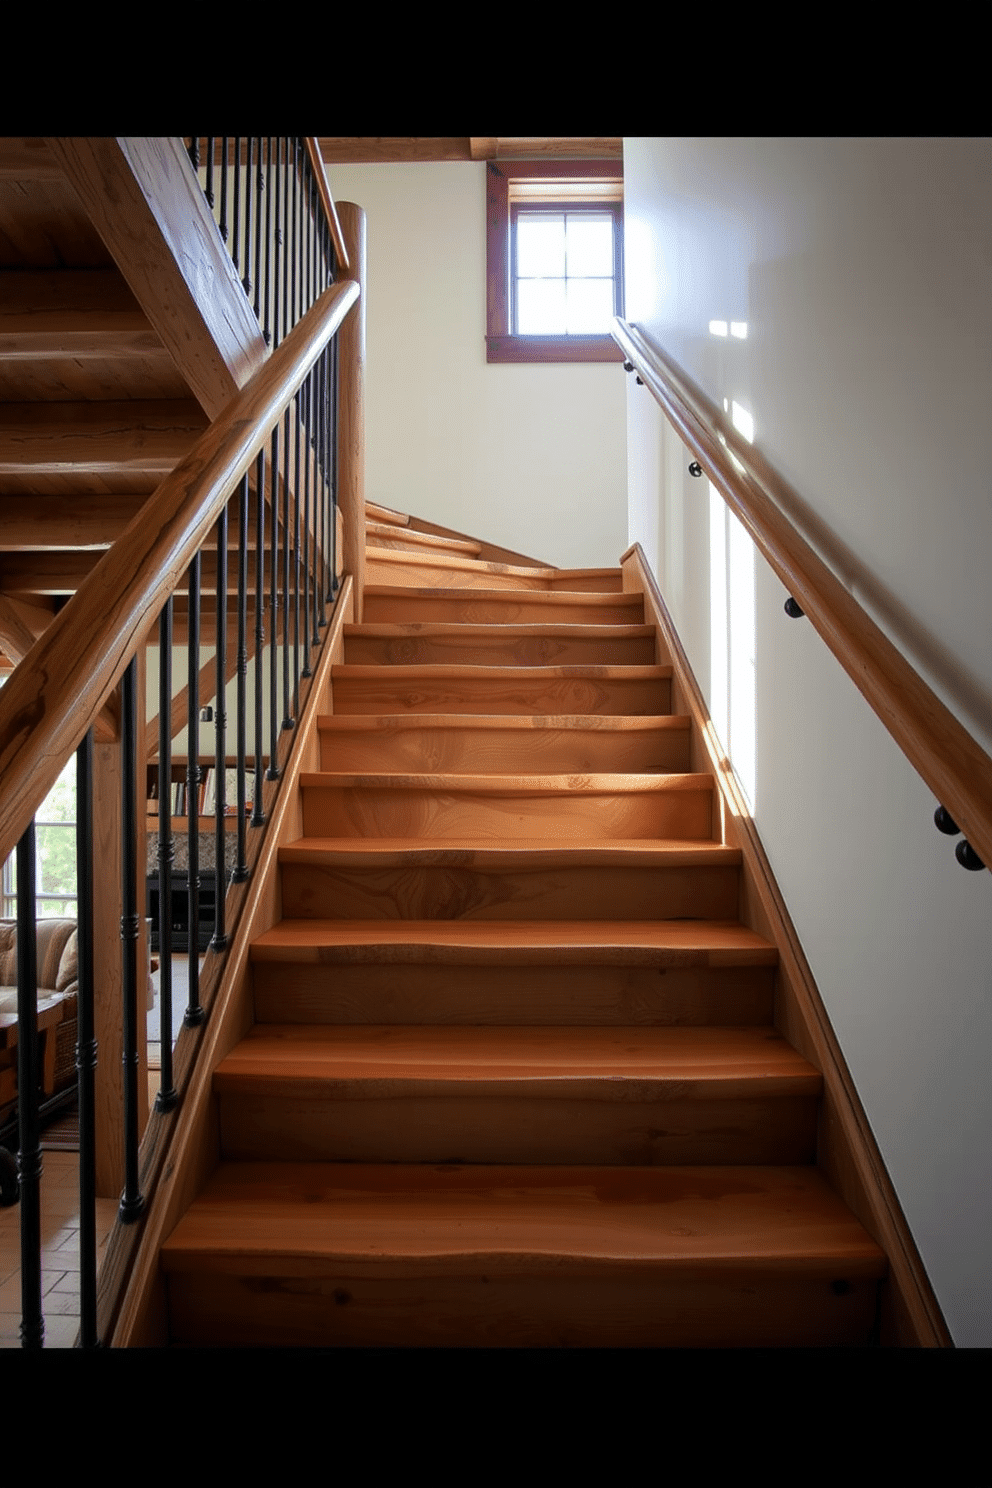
49 703
503 645
546 692
397 604
146 203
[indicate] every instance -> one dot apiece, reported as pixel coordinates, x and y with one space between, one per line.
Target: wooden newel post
351 432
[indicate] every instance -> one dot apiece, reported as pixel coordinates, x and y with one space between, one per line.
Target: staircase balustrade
275 445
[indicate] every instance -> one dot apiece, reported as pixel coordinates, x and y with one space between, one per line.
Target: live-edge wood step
542 691
567 973
517 1094
540 808
403 878
500 645
407 605
413 1254
463 743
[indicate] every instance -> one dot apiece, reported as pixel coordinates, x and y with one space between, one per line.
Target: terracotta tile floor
59 1254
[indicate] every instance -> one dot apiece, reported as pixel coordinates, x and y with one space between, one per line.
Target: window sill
552 349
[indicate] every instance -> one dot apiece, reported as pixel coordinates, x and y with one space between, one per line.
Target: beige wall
861 268
531 457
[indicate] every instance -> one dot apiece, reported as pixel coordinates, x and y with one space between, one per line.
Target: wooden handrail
54 696
939 748
337 237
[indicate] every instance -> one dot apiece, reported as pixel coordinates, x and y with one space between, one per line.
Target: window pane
541 246
541 307
590 307
56 859
589 243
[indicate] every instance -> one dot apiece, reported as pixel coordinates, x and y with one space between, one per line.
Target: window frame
502 344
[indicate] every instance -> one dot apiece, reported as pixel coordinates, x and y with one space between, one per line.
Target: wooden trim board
846 1148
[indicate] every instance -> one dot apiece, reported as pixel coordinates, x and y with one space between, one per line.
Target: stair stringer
194 1143
847 1152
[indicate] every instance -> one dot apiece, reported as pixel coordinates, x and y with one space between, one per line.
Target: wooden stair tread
591 598
622 723
547 574
435 1219
508 852
375 513
562 629
332 1061
668 943
418 541
509 785
403 674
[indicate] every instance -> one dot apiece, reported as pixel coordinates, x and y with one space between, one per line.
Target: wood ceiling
390 149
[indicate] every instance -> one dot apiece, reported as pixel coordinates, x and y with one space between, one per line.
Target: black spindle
223 186
132 1202
272 773
241 864
86 1047
194 1011
287 717
259 188
246 280
209 188
237 201
167 1096
29 1162
257 814
267 327
219 938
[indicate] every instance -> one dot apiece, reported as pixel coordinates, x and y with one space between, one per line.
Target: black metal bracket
964 852
695 469
792 609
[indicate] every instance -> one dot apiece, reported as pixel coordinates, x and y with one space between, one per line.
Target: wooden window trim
501 344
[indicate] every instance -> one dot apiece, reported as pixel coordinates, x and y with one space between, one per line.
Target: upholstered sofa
57 988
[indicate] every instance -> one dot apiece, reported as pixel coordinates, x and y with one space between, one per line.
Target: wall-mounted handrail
53 698
939 748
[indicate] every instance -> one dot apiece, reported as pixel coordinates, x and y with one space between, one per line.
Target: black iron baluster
209 188
267 327
237 201
246 280
241 864
168 1095
29 1164
193 151
287 717
194 1011
286 322
223 187
310 452
86 1047
272 773
333 423
132 1202
296 557
257 814
278 248
259 188
293 234
219 938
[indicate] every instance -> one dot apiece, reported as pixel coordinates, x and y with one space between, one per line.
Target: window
554 260
55 853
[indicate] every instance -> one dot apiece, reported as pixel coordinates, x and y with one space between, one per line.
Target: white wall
530 457
862 270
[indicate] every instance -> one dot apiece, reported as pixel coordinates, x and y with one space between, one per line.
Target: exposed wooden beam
144 200
98 438
392 149
22 621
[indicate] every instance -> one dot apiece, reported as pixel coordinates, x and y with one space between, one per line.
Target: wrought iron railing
266 470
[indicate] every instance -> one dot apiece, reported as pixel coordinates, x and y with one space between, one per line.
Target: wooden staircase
513 1078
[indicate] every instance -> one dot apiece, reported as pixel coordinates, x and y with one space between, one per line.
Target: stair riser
479 751
509 1128
662 1308
461 609
420 544
447 893
563 697
472 651
512 995
684 815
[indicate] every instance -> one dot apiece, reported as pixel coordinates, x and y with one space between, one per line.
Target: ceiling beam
392 149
